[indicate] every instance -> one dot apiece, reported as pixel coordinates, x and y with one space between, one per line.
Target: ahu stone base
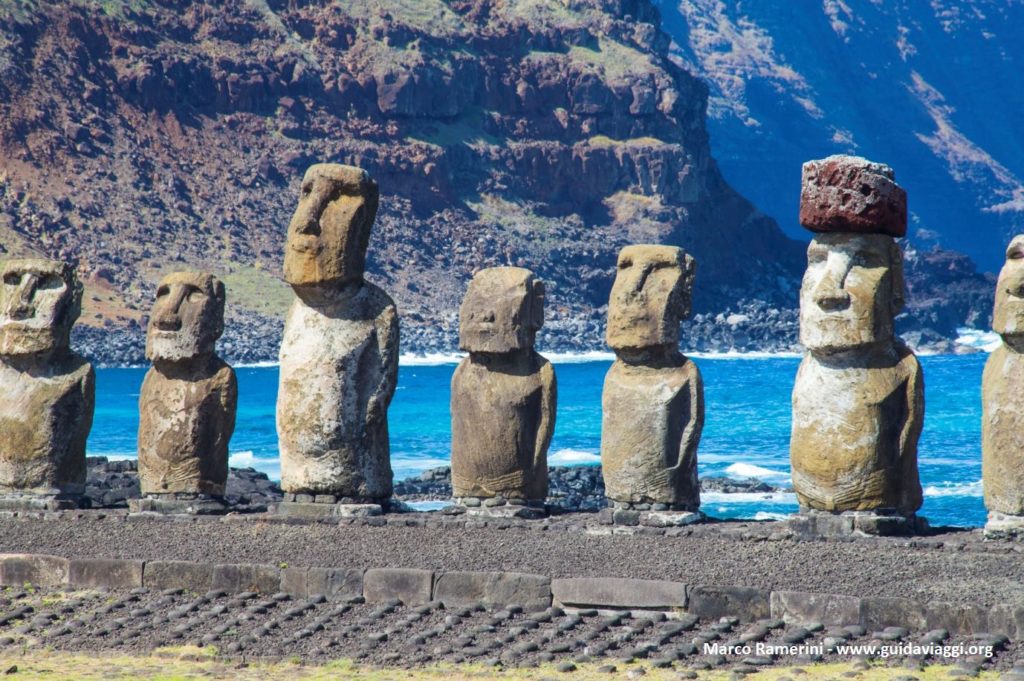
630 517
1004 526
171 504
41 502
307 509
814 524
499 507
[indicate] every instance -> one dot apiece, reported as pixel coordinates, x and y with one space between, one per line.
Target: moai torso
504 394
339 355
338 372
855 431
1002 431
653 398
47 393
185 425
44 424
188 398
1002 394
650 428
502 419
858 399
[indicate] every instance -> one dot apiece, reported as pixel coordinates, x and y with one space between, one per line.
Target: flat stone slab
1004 526
670 518
532 592
300 509
619 593
178 506
507 511
821 524
27 502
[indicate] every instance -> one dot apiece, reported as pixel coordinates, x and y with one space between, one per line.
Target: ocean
746 432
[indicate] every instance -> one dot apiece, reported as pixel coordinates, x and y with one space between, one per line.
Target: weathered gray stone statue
47 392
339 356
504 394
653 400
858 402
1002 424
188 399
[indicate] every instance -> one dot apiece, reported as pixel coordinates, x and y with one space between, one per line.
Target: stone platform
301 509
174 505
1004 526
42 502
811 523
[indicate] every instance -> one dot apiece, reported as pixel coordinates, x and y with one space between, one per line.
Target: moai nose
168 315
829 294
21 306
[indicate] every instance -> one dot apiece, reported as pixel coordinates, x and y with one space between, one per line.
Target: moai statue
504 394
47 392
653 400
858 401
1002 424
188 399
339 356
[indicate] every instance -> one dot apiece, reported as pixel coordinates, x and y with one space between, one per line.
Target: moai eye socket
817 255
625 263
163 292
868 259
307 188
196 296
12 278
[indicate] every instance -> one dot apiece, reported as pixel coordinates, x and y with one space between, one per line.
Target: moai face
502 311
652 293
330 230
39 303
187 318
851 291
1008 315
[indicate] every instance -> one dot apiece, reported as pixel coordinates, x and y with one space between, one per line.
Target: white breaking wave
256 365
954 489
244 459
119 456
569 457
978 339
428 505
736 354
764 515
432 359
747 470
579 357
746 497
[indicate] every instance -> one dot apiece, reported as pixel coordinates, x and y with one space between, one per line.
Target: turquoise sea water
746 431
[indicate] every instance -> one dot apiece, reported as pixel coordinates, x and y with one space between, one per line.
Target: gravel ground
276 626
956 568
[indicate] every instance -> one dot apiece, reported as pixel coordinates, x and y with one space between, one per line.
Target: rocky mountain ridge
138 138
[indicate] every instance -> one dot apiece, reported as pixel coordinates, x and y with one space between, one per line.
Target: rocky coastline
750 327
572 488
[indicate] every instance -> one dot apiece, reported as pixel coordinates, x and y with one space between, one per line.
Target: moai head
1008 315
187 318
330 230
39 303
651 295
853 286
502 311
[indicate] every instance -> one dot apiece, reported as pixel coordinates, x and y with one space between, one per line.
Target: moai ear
220 298
685 287
899 286
537 305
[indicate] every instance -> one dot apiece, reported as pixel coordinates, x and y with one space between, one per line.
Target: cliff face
155 136
928 87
